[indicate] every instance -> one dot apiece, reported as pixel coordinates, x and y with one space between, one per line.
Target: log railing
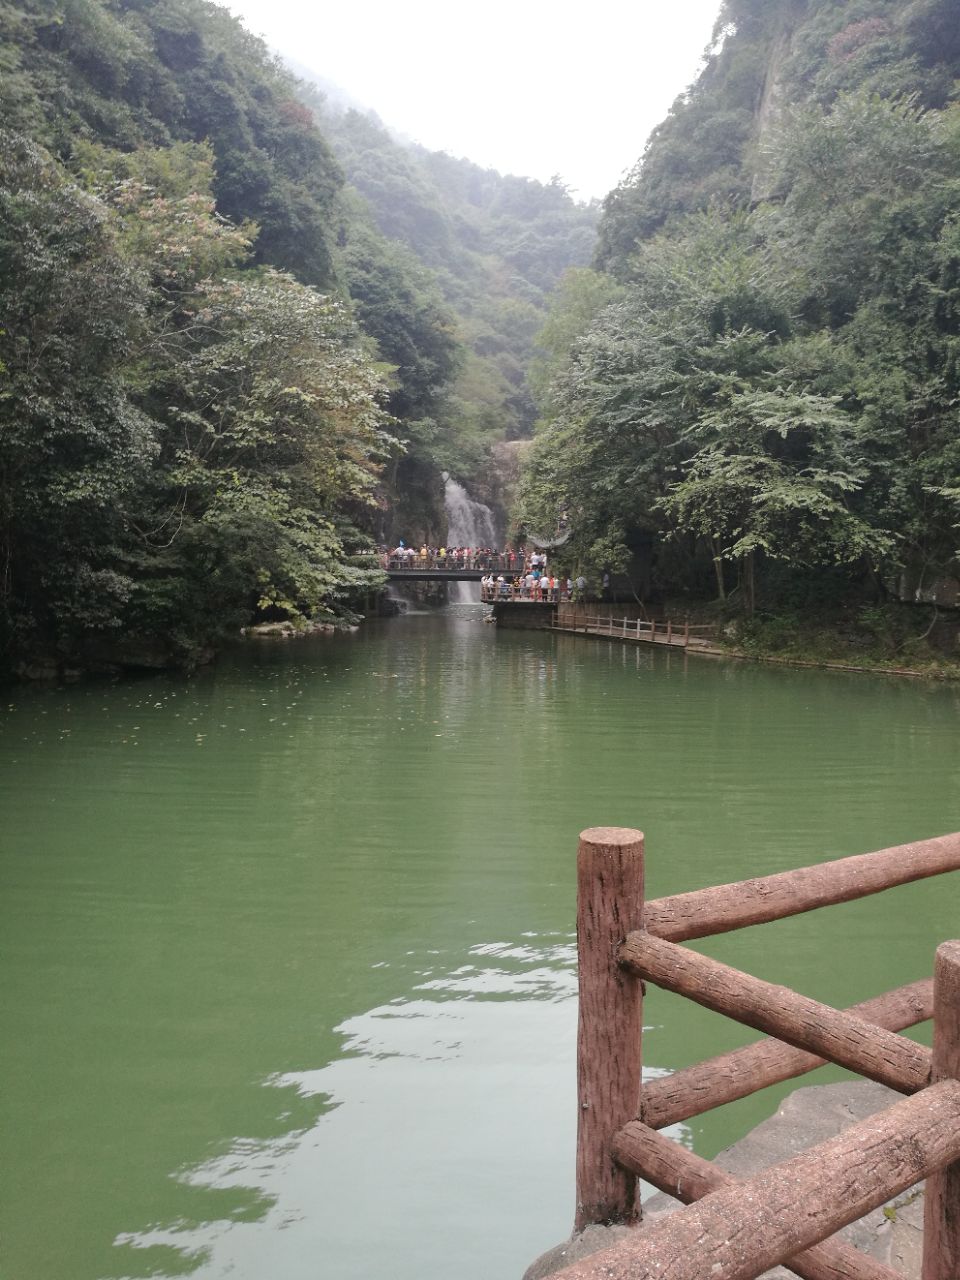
737 1229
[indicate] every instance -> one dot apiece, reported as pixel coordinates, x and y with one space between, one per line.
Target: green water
287 969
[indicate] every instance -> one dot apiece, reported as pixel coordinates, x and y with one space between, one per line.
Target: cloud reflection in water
450 1134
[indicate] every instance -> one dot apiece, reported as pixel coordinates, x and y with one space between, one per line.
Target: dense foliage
772 393
225 371
190 432
180 442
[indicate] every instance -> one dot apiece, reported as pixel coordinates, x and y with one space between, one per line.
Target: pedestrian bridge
419 568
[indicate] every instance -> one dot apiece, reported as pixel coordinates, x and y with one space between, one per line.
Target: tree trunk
749 583
718 569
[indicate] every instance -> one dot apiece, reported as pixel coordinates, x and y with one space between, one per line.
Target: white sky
523 86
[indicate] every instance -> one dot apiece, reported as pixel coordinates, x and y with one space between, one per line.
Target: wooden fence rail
657 630
735 1230
704 912
737 1074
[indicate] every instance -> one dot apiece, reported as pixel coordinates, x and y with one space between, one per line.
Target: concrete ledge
524 615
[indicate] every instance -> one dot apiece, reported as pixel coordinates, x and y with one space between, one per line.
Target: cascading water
469 524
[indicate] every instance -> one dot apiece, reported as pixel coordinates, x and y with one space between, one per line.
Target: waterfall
469 524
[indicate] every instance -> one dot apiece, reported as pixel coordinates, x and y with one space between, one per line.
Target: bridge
417 568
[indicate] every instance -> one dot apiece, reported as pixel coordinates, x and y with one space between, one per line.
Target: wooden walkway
664 631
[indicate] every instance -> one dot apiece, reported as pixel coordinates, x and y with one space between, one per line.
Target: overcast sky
524 86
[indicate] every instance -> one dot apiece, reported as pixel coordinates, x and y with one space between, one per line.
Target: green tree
772 478
74 449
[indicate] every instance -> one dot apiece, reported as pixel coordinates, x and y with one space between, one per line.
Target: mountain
489 248
761 382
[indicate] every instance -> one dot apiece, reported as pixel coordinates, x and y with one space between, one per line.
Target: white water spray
469 524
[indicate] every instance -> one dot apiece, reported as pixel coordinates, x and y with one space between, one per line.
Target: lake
288 973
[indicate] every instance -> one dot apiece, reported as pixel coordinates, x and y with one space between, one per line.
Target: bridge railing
785 1213
512 564
524 594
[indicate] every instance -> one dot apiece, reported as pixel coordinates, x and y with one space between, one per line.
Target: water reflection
421 1108
421 1111
202 881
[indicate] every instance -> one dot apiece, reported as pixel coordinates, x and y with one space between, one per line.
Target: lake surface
288 983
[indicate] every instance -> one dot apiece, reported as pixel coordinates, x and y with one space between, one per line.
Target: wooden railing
527 595
655 630
786 1213
659 631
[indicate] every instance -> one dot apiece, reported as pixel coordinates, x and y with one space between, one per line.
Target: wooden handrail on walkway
655 630
784 1214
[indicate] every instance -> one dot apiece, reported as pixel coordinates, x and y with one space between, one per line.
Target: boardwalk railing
662 630
785 1213
656 630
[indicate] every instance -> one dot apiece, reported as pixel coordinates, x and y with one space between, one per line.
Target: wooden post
686 633
609 906
669 631
941 1208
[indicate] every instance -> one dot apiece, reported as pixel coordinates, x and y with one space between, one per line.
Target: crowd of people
539 583
428 557
509 574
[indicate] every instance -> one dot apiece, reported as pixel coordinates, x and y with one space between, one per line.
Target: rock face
892 1234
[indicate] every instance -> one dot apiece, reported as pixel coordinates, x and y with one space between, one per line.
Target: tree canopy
773 389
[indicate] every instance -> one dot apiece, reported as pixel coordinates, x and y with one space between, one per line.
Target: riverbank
894 639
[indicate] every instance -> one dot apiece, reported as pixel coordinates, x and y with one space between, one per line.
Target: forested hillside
763 375
485 250
224 373
189 431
